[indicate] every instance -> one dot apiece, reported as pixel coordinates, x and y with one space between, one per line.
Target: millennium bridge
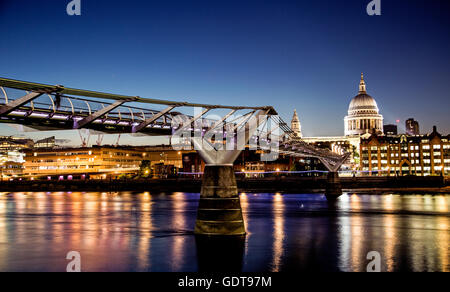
44 107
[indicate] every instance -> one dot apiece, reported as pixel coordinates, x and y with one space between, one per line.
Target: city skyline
65 137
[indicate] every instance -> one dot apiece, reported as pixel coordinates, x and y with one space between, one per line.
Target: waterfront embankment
281 184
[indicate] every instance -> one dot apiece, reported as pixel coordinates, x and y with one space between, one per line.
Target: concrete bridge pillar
219 211
333 187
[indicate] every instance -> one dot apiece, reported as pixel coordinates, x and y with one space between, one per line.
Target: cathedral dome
363 113
363 104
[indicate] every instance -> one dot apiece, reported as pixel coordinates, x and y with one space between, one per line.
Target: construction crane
118 140
100 139
84 140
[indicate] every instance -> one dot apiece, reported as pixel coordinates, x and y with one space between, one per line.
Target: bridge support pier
219 211
333 187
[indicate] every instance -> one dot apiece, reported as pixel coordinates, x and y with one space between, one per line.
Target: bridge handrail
37 87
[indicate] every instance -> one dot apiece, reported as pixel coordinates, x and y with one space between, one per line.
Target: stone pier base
219 211
333 188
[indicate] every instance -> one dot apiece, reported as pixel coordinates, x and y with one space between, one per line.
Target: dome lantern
362 85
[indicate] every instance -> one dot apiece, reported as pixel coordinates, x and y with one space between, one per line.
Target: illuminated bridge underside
49 107
49 120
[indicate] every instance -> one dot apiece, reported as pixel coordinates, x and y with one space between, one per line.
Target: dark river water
150 232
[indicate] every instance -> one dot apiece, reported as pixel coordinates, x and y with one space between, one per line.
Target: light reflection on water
153 232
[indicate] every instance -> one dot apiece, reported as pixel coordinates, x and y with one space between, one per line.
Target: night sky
306 55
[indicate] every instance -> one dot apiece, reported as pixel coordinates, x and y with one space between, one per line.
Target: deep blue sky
306 55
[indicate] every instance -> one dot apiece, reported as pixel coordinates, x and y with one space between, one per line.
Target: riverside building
420 155
96 162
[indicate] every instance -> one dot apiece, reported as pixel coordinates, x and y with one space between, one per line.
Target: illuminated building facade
81 161
12 148
47 143
15 144
363 114
10 169
422 155
96 161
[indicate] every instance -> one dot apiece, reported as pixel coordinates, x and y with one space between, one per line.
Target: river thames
154 232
